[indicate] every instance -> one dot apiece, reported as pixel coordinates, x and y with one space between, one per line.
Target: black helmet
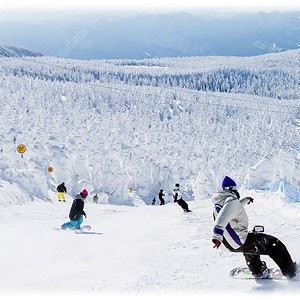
177 184
161 189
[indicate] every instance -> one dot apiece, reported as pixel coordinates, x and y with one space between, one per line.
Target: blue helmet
228 182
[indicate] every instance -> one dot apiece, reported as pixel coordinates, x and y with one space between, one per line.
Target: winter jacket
61 188
77 208
231 220
176 194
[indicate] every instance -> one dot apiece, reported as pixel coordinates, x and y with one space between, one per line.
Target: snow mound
135 199
11 194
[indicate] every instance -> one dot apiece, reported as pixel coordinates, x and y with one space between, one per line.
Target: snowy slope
9 51
110 136
116 125
142 249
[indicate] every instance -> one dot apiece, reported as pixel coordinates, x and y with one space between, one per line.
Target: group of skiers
230 228
76 212
160 197
176 197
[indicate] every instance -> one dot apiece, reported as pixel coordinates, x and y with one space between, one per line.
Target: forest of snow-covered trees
116 124
271 75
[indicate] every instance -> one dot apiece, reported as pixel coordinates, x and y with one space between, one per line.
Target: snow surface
132 251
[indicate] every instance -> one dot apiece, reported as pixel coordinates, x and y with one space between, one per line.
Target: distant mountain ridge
103 36
9 51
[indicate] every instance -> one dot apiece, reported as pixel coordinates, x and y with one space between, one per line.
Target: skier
61 190
76 211
95 198
231 229
160 196
153 201
177 198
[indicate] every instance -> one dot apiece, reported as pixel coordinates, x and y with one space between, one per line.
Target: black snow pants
262 244
183 204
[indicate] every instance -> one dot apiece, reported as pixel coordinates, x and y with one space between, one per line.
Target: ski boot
263 273
294 271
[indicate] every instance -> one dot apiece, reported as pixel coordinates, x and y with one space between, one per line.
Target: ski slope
133 250
114 134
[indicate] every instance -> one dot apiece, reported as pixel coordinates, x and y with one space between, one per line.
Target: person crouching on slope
231 229
177 198
76 211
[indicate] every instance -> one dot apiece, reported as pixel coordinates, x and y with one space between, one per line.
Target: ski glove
250 200
217 243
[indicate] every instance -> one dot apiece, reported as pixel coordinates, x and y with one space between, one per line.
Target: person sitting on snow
76 211
231 229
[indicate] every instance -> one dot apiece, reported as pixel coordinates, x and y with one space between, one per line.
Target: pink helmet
84 193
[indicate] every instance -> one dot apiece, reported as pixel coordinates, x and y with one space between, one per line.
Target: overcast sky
151 4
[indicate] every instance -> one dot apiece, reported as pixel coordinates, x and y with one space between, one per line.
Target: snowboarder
160 196
153 201
61 190
231 229
177 198
95 198
76 211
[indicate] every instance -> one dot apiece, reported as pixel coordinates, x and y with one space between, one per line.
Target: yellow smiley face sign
21 148
50 169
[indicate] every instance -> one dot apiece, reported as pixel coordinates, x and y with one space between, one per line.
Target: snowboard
245 273
81 229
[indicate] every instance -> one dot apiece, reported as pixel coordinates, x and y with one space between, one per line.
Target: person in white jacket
178 198
231 229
